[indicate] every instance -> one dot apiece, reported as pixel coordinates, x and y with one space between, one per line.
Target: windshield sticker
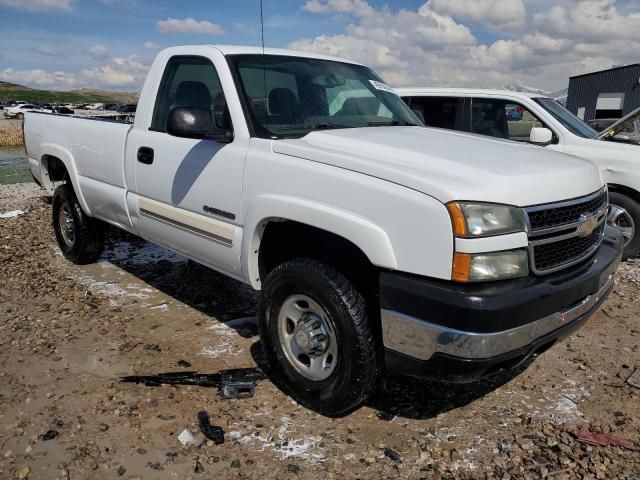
382 86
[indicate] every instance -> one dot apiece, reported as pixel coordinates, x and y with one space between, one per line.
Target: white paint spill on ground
282 440
226 336
97 278
559 405
11 214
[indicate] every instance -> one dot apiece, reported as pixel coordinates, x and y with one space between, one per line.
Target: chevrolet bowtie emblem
588 225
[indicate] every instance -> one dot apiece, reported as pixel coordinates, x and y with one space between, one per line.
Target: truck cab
375 243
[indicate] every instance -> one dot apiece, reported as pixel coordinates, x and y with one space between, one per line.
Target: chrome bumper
421 339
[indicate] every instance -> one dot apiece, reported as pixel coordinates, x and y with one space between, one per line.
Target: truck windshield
566 118
291 96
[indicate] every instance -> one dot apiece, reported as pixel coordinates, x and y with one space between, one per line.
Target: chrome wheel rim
618 217
308 337
67 226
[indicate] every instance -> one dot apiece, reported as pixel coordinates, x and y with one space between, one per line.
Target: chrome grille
565 233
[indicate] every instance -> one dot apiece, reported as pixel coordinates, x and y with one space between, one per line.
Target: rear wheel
80 237
316 335
624 214
20 116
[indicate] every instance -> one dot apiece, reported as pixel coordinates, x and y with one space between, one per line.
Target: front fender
360 231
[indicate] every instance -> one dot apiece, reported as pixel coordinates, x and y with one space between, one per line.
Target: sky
110 44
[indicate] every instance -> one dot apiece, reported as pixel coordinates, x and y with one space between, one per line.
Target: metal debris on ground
218 380
634 378
603 440
240 383
212 432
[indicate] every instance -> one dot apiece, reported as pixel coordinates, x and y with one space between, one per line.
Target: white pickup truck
534 118
375 243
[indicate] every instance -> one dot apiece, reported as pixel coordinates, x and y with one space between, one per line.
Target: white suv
534 118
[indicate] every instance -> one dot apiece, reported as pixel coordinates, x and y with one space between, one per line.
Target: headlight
471 219
475 267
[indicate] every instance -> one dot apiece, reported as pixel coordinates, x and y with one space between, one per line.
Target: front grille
554 216
559 233
552 255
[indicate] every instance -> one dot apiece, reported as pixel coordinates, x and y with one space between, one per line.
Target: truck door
187 192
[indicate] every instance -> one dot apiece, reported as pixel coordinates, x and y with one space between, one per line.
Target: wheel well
629 192
55 172
285 240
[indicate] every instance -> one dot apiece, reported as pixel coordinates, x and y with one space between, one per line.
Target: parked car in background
626 130
374 242
547 123
601 124
19 110
126 108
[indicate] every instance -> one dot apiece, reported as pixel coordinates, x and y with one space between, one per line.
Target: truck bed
92 148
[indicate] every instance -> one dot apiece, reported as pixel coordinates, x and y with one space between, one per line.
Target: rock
120 470
293 468
22 473
235 464
103 427
49 435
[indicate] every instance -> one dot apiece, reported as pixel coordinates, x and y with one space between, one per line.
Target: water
13 166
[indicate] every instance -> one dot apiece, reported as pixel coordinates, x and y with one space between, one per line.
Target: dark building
609 93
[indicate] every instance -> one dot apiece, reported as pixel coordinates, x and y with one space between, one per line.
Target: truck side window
502 119
188 82
441 112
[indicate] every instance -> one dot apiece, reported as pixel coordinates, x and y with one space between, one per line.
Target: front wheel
624 214
80 237
318 341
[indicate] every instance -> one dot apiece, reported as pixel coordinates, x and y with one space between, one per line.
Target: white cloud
39 77
43 5
188 25
434 45
590 21
357 7
98 52
151 45
496 13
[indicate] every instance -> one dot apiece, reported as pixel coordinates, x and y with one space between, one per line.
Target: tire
349 361
629 220
80 237
20 116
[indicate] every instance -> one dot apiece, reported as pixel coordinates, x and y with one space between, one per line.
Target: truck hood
449 165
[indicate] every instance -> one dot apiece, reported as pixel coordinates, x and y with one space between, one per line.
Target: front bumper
464 332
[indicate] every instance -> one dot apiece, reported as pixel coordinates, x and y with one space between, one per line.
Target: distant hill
12 91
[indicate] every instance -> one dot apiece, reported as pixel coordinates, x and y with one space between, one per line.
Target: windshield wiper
392 123
326 126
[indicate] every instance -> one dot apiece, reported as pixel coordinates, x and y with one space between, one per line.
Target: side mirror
420 116
540 136
195 122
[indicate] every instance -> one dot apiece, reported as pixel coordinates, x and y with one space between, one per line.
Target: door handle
145 155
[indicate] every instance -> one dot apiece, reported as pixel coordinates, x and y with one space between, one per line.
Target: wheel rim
618 217
308 337
67 225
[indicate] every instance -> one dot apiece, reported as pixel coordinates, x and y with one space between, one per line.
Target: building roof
464 92
631 65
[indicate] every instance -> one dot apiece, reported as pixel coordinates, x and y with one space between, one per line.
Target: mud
68 334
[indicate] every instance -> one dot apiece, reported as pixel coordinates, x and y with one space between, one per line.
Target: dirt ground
68 334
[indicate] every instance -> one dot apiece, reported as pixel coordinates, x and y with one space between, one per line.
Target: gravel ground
68 334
